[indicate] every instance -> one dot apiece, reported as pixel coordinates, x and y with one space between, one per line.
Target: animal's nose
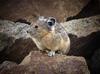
50 23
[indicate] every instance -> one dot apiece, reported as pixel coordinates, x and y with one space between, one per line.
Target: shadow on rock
88 47
18 50
85 46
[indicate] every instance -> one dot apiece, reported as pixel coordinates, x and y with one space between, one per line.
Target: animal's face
44 25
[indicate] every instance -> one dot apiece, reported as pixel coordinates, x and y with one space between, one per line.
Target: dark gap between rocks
88 47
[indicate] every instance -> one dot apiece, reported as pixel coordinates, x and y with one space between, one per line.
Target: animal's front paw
51 53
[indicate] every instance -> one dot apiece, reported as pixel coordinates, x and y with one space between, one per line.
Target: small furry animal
49 35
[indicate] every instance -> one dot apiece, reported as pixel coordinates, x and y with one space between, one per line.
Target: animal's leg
51 53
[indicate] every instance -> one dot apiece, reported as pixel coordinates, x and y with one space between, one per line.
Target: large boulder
39 63
15 43
83 27
84 35
30 9
91 9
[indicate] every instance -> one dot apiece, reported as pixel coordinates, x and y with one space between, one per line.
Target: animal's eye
50 23
36 26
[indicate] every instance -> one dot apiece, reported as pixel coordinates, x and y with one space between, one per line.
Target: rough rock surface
83 27
40 63
85 34
16 30
7 65
14 40
85 40
15 9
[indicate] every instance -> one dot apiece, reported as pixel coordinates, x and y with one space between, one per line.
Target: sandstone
40 63
31 9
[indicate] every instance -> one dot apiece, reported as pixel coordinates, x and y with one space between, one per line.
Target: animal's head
47 23
44 25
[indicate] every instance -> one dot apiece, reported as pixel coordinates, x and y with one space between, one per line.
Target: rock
40 63
91 9
16 30
84 34
14 40
31 9
27 59
94 63
83 27
5 40
21 48
85 40
7 65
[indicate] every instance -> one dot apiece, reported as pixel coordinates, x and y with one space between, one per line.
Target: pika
50 35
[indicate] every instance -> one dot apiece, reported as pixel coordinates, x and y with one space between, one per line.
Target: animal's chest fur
52 41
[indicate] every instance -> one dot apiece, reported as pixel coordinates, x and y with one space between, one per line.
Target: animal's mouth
52 28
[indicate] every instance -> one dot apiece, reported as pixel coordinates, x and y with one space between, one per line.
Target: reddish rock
40 63
30 9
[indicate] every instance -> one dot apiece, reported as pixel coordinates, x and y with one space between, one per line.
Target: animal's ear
53 19
42 18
